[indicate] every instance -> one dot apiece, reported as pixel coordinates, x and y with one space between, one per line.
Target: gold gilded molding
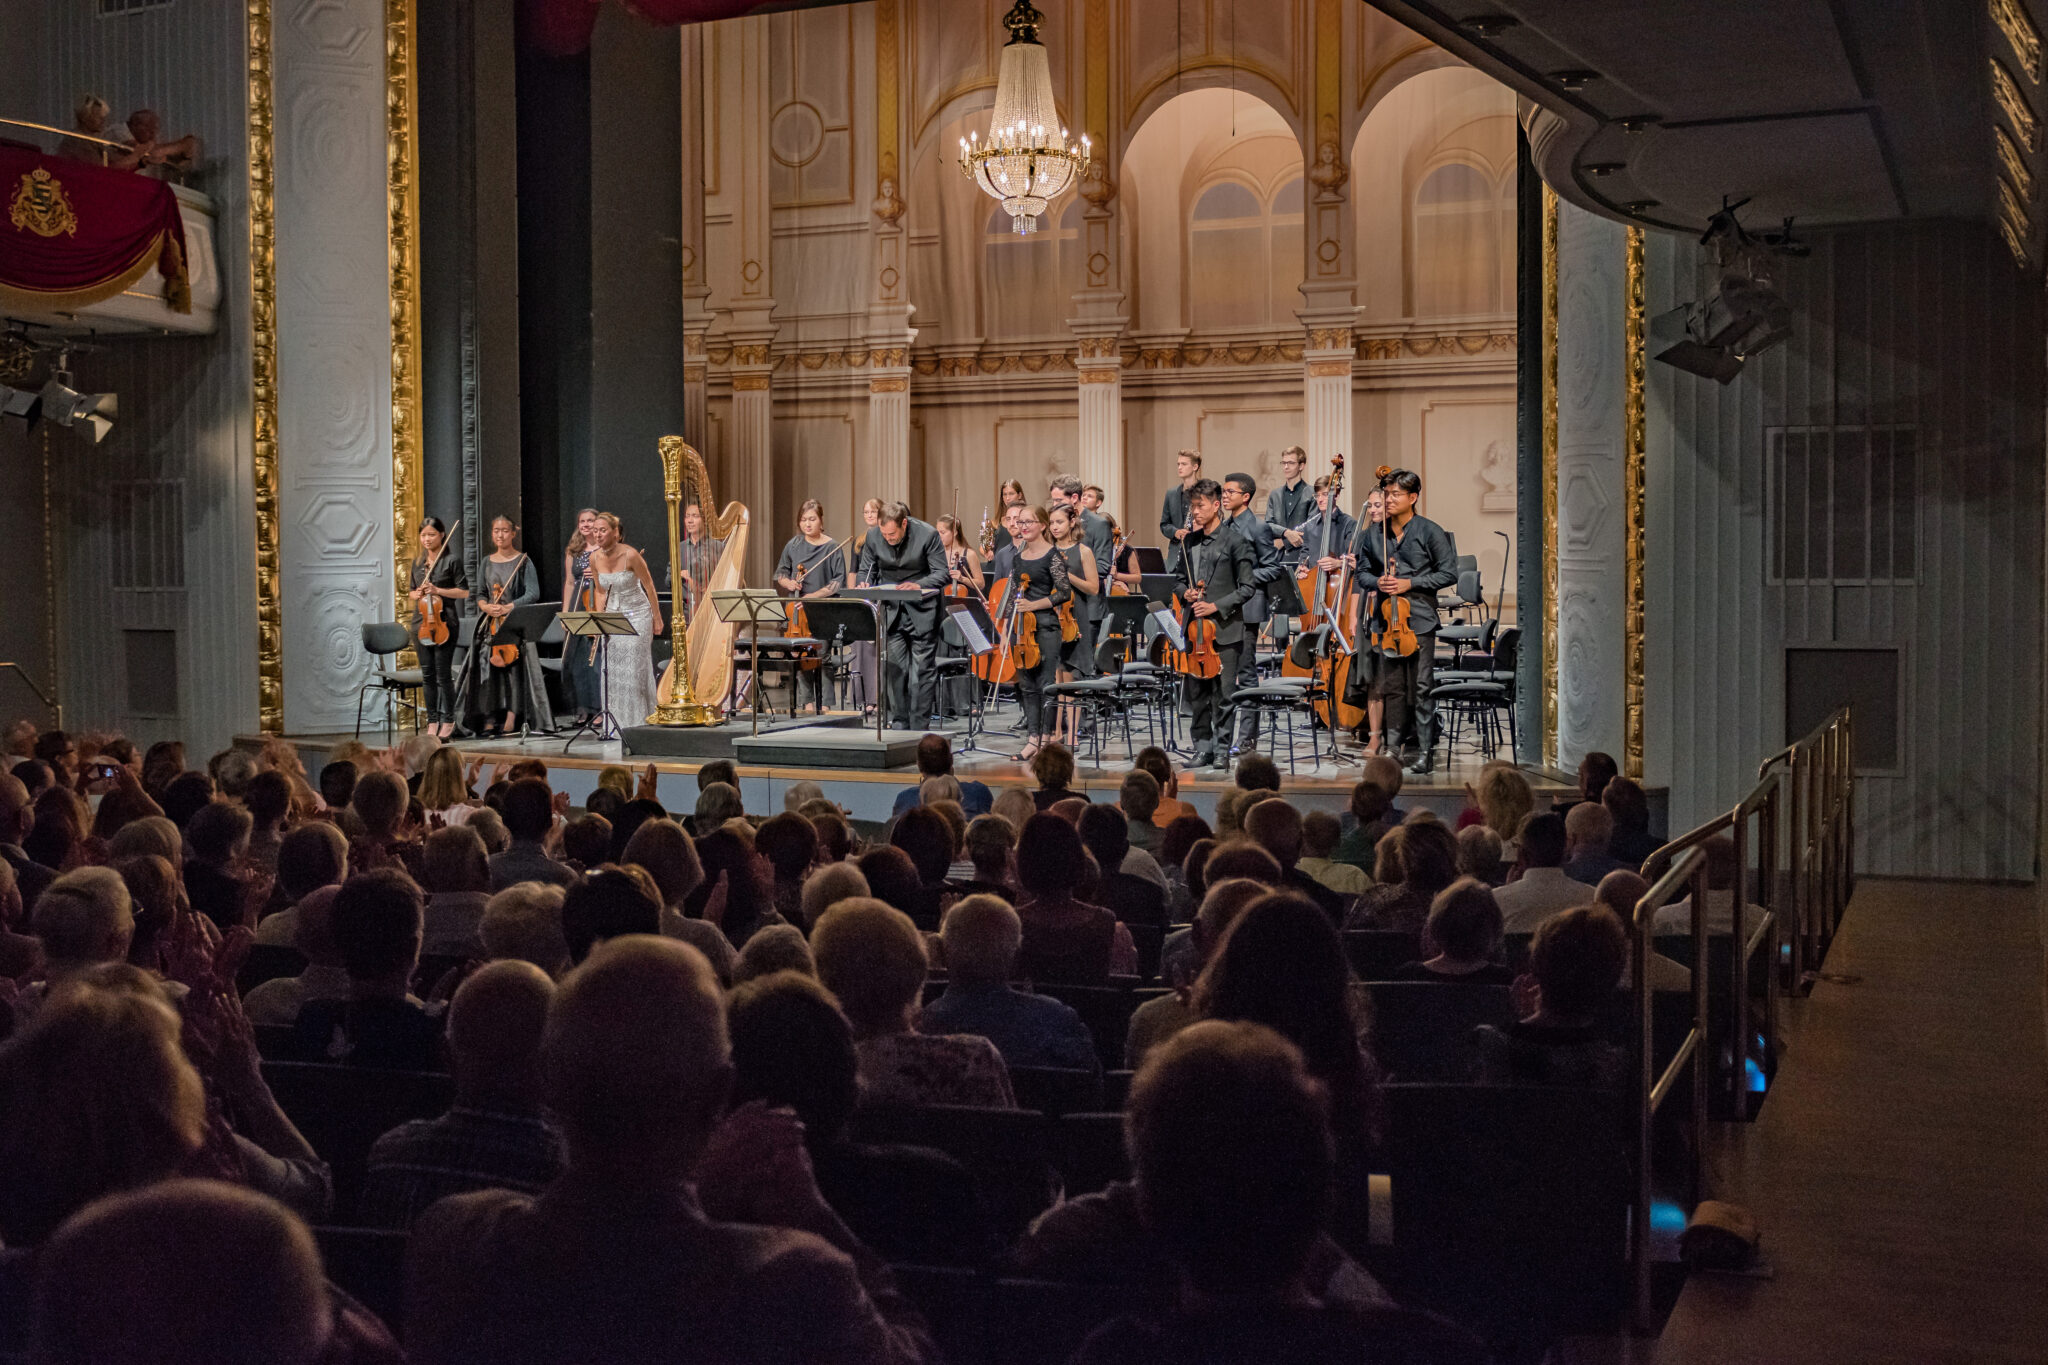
1095 376
1328 369
750 353
2006 92
263 377
2013 163
2011 18
1095 23
1550 474
1329 338
1465 343
889 185
750 383
889 383
402 211
1633 460
1201 354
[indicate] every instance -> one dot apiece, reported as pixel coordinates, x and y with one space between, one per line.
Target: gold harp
706 642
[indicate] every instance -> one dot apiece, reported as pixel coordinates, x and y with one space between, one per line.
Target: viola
1392 633
502 655
1199 659
1026 627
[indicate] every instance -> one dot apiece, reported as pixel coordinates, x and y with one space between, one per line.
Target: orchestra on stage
919 624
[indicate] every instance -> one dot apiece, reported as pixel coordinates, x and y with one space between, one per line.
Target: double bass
1328 657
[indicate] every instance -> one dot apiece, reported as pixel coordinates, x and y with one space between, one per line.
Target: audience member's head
835 837
161 763
338 784
935 756
1370 802
155 896
495 1025
1541 840
33 774
523 923
313 927
95 1096
1577 956
1320 832
606 904
670 857
416 750
944 787
718 770
1194 869
749 890
1051 860
57 749
982 937
635 1061
441 782
453 859
151 834
1015 805
1276 827
1153 760
1504 798
188 794
1228 803
182 1270
926 837
1178 837
613 778
528 767
829 885
792 1046
1231 1154
1588 827
1053 766
1138 797
872 958
1626 802
801 793
381 801
1596 770
1422 857
529 810
1242 858
1257 773
84 917
1464 921
490 827
125 804
789 843
955 816
1106 834
377 925
775 948
1479 853
1282 964
717 804
1069 809
17 810
1619 891
891 876
313 855
1221 905
605 803
587 840
269 799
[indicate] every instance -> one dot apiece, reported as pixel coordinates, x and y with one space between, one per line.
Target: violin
999 665
1393 635
1025 626
433 615
1116 557
502 655
1199 659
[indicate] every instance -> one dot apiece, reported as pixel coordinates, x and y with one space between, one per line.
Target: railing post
1738 971
1703 1052
1797 869
1646 1080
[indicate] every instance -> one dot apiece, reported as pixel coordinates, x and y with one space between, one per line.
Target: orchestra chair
402 687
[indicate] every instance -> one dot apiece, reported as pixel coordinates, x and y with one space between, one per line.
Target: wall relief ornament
888 205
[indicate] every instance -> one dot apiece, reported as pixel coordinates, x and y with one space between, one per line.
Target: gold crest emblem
40 206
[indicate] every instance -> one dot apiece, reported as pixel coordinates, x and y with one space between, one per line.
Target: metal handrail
1689 871
67 133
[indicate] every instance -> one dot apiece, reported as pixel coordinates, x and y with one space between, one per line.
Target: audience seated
457 881
377 919
1538 887
1619 892
1256 772
1159 1018
152 834
991 847
1154 760
835 836
1415 861
1371 813
1479 855
496 1136
619 1261
736 884
1171 854
1320 832
309 857
523 923
610 903
1065 940
873 959
935 759
1016 805
1632 841
892 878
799 794
21 955
829 885
84 919
1138 799
17 817
1053 766
1588 832
587 841
790 844
381 802
1129 884
981 937
924 835
792 1046
1276 827
1232 1163
185 1270
717 804
1282 964
1464 932
1575 961
1504 800
961 869
325 977
670 857
529 816
186 795
777 948
1723 877
1596 770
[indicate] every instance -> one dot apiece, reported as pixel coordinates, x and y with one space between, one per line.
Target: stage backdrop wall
1873 485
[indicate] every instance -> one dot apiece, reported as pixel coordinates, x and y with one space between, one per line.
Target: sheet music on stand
1167 624
751 607
970 616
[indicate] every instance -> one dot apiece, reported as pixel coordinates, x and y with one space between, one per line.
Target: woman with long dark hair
502 697
438 579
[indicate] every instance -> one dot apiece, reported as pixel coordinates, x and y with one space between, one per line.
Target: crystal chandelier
1027 161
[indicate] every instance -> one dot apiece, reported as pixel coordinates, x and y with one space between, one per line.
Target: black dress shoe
1421 767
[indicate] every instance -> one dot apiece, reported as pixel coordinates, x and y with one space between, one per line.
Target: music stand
840 622
971 618
603 725
1124 615
523 625
1158 587
880 597
750 607
1147 559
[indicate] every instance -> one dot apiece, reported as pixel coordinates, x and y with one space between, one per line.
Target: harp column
750 464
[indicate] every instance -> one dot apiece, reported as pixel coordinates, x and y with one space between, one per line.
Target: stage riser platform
704 743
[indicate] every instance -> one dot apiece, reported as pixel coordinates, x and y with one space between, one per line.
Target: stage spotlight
23 403
1744 317
67 407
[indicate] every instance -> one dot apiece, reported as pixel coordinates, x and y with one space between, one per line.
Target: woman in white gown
629 659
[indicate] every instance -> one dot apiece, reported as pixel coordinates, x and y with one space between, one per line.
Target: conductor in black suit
1216 556
901 549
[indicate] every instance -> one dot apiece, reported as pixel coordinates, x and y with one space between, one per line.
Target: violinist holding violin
1216 566
439 582
1406 557
812 565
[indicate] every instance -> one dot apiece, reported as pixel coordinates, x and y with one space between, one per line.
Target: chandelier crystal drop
1026 161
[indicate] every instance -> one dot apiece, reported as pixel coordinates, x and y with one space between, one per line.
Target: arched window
1462 229
1244 255
1026 280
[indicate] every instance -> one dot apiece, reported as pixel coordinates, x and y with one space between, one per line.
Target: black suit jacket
1095 535
1423 555
1227 565
1286 509
919 560
1267 567
1173 513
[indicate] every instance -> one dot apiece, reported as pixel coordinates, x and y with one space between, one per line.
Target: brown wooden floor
1899 1170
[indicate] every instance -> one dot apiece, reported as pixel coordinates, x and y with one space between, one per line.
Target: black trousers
437 663
1210 712
1032 682
1247 675
913 686
1411 712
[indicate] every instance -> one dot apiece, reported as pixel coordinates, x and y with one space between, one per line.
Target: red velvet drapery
72 233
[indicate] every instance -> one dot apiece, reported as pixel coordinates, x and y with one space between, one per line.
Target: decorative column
886 471
750 464
1329 288
697 315
1591 533
1099 318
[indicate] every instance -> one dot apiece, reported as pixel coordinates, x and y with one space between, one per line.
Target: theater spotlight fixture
67 407
1745 315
